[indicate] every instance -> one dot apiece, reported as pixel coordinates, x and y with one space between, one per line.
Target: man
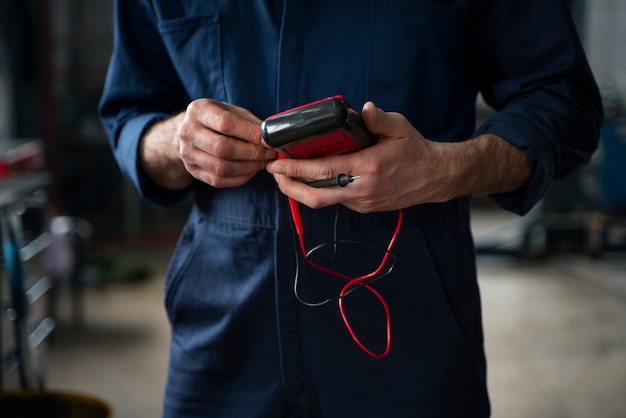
188 85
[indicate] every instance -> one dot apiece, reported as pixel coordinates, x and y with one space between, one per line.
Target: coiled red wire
353 281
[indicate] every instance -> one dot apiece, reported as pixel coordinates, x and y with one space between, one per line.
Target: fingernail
275 167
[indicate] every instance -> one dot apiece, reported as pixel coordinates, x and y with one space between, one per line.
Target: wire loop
353 283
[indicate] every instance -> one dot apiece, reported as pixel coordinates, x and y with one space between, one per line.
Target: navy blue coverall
242 345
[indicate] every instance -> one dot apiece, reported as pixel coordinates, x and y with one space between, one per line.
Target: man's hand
404 169
214 142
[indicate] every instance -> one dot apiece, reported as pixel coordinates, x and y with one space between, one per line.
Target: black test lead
341 180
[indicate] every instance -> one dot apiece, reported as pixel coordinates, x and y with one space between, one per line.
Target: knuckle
212 180
185 130
365 210
222 122
184 153
194 108
219 169
315 203
221 147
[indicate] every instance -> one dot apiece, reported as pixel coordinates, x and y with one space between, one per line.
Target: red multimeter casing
322 128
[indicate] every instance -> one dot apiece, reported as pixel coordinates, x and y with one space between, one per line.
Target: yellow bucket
32 404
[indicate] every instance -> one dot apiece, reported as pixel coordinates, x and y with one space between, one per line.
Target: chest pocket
224 55
198 37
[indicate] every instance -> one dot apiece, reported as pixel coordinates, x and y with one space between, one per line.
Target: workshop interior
70 222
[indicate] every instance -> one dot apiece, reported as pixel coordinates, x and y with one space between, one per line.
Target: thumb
384 124
376 120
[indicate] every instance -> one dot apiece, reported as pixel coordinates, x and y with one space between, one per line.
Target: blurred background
53 61
93 255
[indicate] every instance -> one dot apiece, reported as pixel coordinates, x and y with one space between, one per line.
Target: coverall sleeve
531 67
141 88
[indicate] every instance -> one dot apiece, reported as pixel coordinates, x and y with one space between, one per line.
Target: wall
6 110
605 41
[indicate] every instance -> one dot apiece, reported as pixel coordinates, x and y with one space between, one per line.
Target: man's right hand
214 142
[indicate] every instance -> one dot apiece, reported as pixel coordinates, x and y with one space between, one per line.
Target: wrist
159 155
486 165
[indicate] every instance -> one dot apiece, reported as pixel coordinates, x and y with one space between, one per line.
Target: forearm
159 156
486 165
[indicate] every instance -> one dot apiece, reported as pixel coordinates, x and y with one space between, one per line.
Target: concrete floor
555 336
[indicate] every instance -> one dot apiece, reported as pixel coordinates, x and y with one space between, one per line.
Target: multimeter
322 128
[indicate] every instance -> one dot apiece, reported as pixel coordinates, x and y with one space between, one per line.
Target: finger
229 148
242 112
227 119
385 124
196 139
199 132
307 195
311 169
223 156
221 173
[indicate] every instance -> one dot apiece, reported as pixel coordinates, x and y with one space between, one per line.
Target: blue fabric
242 345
